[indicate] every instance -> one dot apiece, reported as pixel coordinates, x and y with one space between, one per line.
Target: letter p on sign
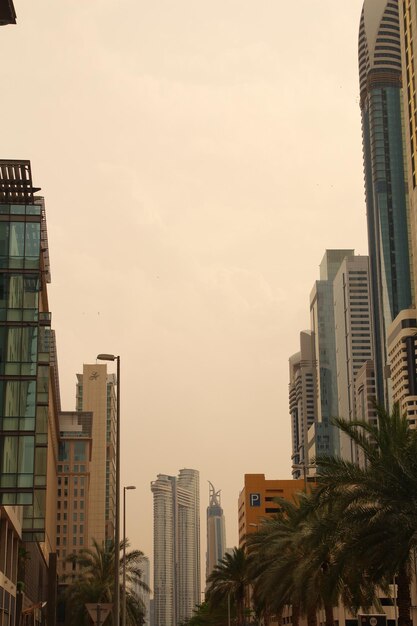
255 499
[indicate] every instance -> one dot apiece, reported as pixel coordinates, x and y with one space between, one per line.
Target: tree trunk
404 596
312 617
328 609
240 610
295 615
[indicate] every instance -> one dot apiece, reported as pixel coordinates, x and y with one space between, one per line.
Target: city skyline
184 270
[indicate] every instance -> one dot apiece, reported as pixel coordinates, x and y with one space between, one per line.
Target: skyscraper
302 395
96 393
380 73
324 353
216 530
408 23
72 523
353 337
177 581
28 392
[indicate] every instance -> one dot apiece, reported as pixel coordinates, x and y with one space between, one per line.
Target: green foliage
346 541
94 579
229 581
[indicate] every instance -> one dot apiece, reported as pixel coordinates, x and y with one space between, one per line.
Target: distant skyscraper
324 354
323 373
216 531
177 581
353 337
380 71
96 393
303 408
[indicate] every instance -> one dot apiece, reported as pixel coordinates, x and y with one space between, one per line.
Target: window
79 451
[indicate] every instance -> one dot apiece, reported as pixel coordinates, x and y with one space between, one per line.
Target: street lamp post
124 555
116 593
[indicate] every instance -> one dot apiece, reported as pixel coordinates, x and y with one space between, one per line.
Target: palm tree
274 553
298 558
379 500
93 581
229 580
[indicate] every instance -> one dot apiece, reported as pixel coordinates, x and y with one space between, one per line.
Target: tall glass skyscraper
385 175
25 346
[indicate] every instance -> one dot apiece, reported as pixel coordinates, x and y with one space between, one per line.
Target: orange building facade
256 500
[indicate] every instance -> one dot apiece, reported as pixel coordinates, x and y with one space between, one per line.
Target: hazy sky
196 159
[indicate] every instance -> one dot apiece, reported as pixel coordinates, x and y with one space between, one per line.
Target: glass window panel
11 401
17 240
8 454
26 454
33 209
17 209
33 239
31 291
4 242
14 315
27 424
14 344
28 398
15 292
79 451
30 315
64 451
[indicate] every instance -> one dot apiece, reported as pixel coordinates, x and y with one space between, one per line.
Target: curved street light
116 592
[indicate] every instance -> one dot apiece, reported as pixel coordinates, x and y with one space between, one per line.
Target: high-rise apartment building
402 353
353 337
177 581
74 459
96 393
302 396
323 373
380 73
216 531
408 25
29 395
323 328
324 353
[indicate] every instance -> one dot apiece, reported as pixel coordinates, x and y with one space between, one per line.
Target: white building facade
177 579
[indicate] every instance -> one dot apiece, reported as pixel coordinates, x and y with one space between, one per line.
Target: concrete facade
256 500
302 398
96 394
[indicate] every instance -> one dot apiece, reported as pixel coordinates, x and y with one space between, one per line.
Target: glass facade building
25 346
385 174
